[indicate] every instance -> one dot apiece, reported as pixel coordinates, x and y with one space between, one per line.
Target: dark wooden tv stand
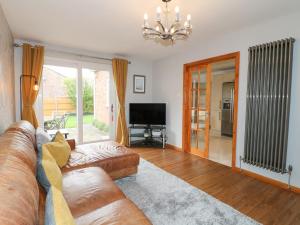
147 136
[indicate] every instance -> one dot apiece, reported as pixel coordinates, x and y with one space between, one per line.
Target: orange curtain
33 60
120 67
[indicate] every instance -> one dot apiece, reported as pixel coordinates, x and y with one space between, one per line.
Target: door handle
112 112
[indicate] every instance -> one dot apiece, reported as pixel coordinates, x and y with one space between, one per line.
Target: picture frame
139 84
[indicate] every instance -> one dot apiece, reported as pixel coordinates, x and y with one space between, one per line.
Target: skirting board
173 147
267 180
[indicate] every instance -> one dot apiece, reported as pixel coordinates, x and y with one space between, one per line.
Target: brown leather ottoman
115 159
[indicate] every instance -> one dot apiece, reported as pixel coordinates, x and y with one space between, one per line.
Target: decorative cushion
57 211
48 173
41 137
59 149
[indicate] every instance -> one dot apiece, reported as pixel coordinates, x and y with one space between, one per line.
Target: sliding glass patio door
77 98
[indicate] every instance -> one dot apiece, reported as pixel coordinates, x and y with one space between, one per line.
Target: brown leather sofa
90 192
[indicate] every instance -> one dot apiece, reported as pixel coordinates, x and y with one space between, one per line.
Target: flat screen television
147 113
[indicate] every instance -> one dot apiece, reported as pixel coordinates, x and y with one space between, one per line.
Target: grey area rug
168 200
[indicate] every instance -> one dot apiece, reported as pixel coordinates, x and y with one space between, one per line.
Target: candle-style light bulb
145 17
158 12
145 20
157 28
189 17
177 13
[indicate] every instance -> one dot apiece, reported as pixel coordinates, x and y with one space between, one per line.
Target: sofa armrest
72 143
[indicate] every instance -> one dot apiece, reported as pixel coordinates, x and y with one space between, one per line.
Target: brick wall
101 96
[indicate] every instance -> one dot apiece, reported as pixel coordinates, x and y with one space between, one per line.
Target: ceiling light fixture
163 29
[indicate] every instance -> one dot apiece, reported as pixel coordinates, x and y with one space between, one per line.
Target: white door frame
79 65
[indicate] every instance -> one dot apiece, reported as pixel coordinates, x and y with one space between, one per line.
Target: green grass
72 120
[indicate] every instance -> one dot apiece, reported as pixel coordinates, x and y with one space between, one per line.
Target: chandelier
163 29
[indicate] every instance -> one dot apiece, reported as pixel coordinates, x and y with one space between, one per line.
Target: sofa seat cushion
121 212
88 189
108 155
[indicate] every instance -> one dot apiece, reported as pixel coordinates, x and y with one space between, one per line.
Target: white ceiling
114 26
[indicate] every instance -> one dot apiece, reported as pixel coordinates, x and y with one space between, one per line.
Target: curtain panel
120 68
33 61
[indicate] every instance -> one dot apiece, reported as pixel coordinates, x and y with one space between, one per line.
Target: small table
62 131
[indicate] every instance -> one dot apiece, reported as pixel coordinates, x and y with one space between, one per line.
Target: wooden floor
263 202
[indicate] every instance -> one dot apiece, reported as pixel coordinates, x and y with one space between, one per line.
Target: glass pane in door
96 105
201 139
202 89
199 111
202 110
59 87
194 103
193 138
195 80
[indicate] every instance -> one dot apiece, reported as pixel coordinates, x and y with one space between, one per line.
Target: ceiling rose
165 30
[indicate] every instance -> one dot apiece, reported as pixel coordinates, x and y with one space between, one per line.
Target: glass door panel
96 105
193 138
194 119
202 88
194 103
201 139
59 87
200 91
195 80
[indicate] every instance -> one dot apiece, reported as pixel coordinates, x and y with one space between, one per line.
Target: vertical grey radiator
268 104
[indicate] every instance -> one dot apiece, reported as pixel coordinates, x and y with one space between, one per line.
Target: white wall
7 99
168 77
137 66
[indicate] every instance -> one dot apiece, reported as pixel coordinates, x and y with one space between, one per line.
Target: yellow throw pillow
48 173
59 149
57 211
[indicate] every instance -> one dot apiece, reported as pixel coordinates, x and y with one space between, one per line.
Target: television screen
147 113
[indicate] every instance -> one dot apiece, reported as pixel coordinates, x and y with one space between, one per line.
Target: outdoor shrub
101 126
88 94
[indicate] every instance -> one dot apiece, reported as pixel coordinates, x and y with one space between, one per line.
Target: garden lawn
72 120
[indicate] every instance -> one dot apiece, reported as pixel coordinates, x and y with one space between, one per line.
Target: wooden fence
58 106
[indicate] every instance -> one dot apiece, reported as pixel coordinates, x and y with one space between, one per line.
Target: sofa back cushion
16 145
25 128
19 194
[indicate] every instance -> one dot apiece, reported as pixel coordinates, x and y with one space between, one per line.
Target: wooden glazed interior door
199 110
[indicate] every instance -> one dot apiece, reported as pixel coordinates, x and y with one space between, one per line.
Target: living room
171 112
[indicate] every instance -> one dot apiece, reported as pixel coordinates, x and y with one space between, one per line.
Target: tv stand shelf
147 136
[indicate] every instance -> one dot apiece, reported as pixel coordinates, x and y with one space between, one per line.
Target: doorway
77 98
210 108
